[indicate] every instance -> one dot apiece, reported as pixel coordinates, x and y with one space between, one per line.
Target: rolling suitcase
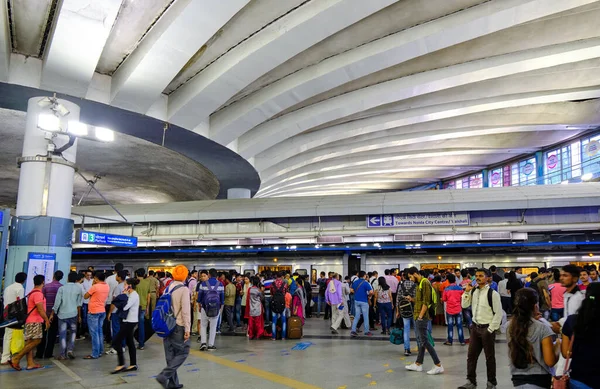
294 328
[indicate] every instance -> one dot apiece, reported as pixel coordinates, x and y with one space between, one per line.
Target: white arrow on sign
374 220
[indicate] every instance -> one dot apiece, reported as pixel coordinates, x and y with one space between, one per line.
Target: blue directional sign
102 239
374 221
418 220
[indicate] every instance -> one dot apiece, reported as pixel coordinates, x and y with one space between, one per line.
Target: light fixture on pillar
50 122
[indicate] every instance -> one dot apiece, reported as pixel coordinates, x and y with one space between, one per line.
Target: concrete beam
373 161
270 47
5 44
471 23
164 51
75 46
305 142
277 130
409 137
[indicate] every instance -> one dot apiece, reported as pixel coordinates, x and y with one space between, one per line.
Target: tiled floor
330 362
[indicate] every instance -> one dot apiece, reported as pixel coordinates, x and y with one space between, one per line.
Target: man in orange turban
180 273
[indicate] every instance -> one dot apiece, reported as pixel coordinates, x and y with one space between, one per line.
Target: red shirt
35 297
279 284
452 297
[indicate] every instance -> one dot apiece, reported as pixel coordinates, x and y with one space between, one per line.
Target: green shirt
143 289
230 293
423 297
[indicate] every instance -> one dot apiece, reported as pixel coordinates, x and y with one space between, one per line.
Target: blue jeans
267 308
275 317
84 313
238 311
141 329
468 314
115 323
95 322
556 313
455 319
362 308
385 312
64 325
407 323
574 384
352 306
320 302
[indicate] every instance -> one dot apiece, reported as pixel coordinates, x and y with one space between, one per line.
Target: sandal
34 367
89 357
16 367
132 368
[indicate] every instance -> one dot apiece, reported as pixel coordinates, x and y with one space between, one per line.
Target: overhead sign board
418 220
103 239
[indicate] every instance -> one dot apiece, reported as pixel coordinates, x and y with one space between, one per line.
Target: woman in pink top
557 292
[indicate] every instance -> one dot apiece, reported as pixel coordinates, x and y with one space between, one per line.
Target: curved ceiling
126 174
327 96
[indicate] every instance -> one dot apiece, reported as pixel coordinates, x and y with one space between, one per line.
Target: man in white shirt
86 284
486 320
11 294
112 284
505 295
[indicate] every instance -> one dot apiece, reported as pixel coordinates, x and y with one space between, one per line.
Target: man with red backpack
279 288
211 296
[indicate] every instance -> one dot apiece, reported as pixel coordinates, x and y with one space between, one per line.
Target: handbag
17 343
397 336
563 381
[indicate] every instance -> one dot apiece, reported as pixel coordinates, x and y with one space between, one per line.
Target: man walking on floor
12 293
487 317
211 295
422 302
339 309
362 291
177 344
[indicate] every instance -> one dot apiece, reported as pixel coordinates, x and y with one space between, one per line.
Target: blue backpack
212 300
164 320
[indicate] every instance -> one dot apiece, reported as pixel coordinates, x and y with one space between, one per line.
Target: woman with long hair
254 309
129 323
299 300
584 330
531 352
383 296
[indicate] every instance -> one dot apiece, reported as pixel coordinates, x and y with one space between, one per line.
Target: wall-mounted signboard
103 239
418 220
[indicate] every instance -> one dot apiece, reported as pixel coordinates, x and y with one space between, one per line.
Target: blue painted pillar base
39 235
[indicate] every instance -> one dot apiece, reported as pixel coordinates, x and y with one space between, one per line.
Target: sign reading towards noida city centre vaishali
418 220
102 239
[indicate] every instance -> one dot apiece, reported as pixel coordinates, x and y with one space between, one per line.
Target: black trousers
125 332
107 327
46 348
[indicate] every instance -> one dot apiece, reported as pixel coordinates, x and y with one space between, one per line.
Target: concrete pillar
41 232
238 193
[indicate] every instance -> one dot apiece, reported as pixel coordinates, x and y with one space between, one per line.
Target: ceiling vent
250 242
408 238
330 239
496 236
181 242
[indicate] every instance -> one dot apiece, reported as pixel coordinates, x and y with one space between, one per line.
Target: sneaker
414 367
70 355
219 332
468 385
436 370
407 353
112 351
140 347
211 348
353 335
447 343
463 344
368 333
199 340
203 347
490 386
334 331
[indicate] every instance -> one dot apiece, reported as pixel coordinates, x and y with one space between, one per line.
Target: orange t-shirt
98 295
288 300
34 298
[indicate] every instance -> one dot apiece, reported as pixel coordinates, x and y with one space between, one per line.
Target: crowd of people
550 317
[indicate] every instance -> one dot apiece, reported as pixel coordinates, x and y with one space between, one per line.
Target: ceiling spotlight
363 245
238 247
49 122
276 248
77 128
587 176
104 134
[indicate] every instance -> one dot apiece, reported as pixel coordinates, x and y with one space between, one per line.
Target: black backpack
278 301
16 313
322 287
489 298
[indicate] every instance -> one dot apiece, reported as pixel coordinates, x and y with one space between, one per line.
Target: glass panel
566 163
495 178
458 184
576 159
465 183
552 167
527 172
506 176
514 174
476 181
